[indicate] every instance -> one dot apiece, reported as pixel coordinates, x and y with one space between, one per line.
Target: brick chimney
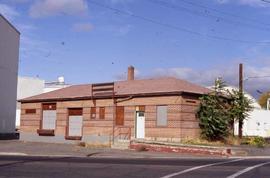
130 73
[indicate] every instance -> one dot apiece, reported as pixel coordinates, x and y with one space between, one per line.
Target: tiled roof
133 87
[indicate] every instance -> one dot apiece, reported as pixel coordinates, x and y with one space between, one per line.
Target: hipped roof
145 87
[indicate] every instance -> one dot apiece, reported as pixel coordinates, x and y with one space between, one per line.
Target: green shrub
254 141
219 109
258 141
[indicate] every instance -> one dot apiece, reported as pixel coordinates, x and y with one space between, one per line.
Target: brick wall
182 122
30 122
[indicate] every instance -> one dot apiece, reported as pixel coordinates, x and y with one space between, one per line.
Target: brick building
152 109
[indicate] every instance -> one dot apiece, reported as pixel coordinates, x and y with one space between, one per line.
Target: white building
27 86
55 85
258 122
9 55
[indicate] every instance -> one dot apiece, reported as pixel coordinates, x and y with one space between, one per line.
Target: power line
254 77
206 15
119 11
225 13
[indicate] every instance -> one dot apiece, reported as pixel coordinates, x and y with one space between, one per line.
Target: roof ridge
161 86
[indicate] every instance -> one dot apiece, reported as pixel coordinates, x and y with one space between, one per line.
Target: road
68 167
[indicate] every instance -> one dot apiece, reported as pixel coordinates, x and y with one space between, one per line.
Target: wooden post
240 126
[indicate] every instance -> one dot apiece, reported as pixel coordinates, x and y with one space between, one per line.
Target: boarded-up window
75 121
120 115
162 115
102 113
93 112
30 111
49 119
49 116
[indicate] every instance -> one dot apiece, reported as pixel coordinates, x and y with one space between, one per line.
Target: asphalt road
68 167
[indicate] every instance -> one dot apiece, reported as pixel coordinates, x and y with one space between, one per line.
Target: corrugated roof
122 88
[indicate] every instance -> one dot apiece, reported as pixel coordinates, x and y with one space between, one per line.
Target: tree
263 99
240 107
219 109
212 113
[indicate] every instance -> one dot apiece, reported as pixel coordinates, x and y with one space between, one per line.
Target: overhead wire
167 25
206 14
192 3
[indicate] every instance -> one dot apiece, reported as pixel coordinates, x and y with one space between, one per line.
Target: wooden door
120 115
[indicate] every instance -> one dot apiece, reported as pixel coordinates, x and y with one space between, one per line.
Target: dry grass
203 142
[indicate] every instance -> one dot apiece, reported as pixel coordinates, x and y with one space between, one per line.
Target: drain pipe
125 99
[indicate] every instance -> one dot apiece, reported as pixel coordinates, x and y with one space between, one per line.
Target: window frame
47 132
93 112
30 111
73 112
101 113
157 116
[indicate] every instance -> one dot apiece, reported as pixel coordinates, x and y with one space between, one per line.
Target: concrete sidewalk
16 147
52 149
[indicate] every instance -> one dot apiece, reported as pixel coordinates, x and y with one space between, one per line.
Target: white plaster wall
18 118
54 87
9 54
27 86
257 124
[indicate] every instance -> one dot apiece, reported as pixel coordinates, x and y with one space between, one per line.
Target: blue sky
190 39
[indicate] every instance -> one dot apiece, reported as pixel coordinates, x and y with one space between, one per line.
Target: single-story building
162 109
30 86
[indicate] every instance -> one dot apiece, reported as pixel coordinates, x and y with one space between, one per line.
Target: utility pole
240 124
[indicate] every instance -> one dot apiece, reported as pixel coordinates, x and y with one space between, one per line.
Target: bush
254 141
214 119
219 109
258 141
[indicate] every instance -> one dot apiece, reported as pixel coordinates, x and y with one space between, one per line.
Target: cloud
25 27
31 46
253 3
229 74
118 30
120 1
8 11
46 8
18 1
82 27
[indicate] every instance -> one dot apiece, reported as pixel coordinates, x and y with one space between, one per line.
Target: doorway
140 124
